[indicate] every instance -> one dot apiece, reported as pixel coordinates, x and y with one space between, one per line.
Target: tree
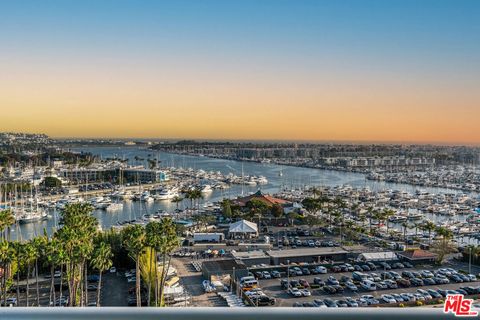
169 242
101 260
177 200
29 257
52 182
134 242
7 256
312 205
277 211
6 221
257 208
226 205
429 226
444 246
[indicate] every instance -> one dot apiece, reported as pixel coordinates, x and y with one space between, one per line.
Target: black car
407 264
338 288
429 281
385 266
357 268
416 282
442 292
344 279
306 271
461 291
336 269
456 278
284 284
329 289
417 274
295 283
365 267
372 266
408 274
341 303
309 304
319 281
263 301
471 290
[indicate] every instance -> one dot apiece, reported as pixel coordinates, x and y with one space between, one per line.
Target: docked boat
32 216
166 194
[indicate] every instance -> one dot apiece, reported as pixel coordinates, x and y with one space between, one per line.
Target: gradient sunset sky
394 70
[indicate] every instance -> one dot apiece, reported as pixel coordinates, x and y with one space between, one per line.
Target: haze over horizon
246 70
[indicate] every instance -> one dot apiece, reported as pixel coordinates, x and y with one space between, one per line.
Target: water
293 177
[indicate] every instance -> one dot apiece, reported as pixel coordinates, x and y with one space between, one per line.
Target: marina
218 179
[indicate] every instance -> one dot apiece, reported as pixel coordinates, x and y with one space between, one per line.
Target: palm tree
6 221
177 200
153 235
101 260
39 248
405 227
169 242
134 242
29 257
429 226
7 256
387 213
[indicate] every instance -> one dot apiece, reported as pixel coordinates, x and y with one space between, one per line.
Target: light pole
470 259
288 274
233 281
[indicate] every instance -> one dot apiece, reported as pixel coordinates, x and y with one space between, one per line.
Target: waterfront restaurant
260 196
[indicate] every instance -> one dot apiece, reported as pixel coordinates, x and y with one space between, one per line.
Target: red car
304 283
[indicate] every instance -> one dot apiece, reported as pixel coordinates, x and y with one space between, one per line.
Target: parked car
304 283
368 285
305 293
352 303
341 303
319 303
295 292
429 281
330 303
319 281
416 282
351 286
385 266
398 297
434 293
284 284
275 274
387 298
329 289
332 281
321 269
405 283
391 284
370 299
266 275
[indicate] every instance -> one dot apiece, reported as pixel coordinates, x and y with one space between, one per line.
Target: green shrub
419 303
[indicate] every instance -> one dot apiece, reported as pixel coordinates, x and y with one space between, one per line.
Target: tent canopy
243 226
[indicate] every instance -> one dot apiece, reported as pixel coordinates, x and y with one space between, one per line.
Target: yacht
397 218
115 206
206 189
166 194
32 216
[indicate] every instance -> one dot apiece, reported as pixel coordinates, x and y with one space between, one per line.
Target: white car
305 292
131 279
113 270
321 269
388 298
408 297
266 275
295 292
419 297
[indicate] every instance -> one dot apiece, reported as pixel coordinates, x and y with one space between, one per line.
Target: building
418 256
310 255
220 268
251 258
268 200
377 256
243 229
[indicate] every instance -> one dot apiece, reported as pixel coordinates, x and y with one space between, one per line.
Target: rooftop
305 252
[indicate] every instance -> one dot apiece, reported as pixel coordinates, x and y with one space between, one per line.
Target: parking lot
272 287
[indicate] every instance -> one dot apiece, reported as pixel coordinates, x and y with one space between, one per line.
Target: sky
397 70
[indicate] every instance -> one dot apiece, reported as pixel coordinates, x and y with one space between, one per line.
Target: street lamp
288 274
470 259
